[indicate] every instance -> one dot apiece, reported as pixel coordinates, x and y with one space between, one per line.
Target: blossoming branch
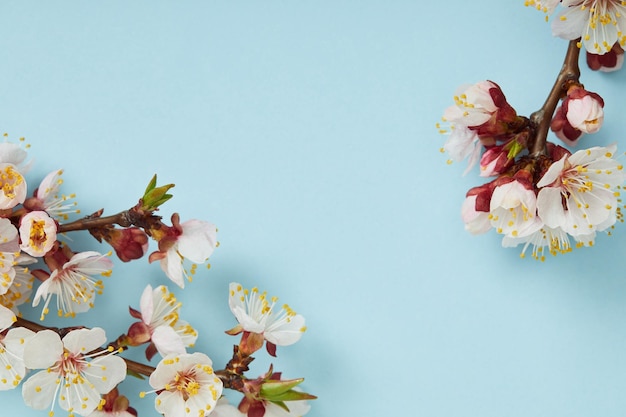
78 369
544 196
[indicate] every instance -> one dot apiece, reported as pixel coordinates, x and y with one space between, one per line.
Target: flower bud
584 110
497 159
130 243
563 129
580 112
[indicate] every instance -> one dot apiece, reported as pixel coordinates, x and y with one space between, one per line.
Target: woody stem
541 119
123 218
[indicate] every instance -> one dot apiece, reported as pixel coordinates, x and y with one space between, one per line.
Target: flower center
9 179
38 234
186 384
70 365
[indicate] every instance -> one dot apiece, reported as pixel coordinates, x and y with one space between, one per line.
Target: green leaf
271 388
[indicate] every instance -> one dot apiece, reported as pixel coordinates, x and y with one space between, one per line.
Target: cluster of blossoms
596 25
542 195
78 369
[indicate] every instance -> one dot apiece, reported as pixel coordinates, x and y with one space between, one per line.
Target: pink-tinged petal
146 305
167 341
43 350
84 340
585 114
39 390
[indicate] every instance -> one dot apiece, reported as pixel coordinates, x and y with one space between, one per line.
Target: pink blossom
47 198
160 323
38 232
581 111
260 319
495 160
483 108
577 192
599 23
185 385
72 371
194 240
73 283
13 187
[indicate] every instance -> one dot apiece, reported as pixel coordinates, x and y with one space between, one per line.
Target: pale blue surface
305 131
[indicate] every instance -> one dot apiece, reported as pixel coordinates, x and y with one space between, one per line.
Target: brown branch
541 119
133 366
228 376
123 218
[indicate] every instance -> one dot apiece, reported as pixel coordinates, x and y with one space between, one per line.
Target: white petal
84 340
550 207
552 173
81 398
44 349
38 391
167 341
7 318
198 240
286 334
170 404
146 305
172 265
106 372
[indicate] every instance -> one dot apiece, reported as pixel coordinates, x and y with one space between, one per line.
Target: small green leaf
271 388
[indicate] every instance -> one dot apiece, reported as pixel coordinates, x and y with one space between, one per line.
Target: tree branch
541 119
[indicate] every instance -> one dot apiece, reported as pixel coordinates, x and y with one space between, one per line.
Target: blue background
305 131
